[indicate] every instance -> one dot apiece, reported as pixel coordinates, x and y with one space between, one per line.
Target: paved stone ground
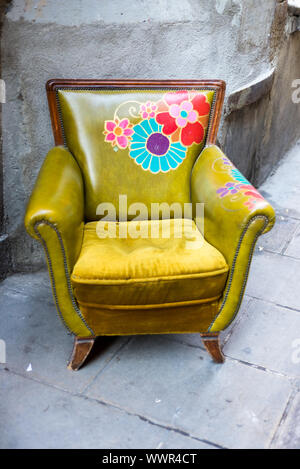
164 391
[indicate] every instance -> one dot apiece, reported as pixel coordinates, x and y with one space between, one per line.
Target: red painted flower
181 119
254 197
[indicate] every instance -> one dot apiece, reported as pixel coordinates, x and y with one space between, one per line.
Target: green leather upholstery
55 216
106 167
235 215
149 145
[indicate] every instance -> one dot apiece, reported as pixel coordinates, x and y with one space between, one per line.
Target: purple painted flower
226 161
230 187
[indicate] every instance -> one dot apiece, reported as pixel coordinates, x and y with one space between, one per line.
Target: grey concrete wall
5 258
258 135
235 40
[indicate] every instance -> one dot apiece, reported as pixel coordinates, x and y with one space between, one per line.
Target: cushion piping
151 306
101 281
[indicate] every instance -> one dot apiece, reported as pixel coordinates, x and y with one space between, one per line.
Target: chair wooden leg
81 349
211 340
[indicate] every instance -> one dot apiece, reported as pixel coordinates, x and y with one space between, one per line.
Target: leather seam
232 270
61 119
73 301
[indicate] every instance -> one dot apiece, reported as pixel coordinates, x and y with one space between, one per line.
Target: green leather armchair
109 207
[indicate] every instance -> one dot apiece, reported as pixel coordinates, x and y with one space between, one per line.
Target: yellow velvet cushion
175 266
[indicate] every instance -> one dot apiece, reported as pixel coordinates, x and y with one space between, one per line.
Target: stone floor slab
36 284
281 234
293 248
275 278
33 415
266 335
234 405
288 436
36 338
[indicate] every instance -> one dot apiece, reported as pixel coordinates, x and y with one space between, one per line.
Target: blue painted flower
153 150
238 176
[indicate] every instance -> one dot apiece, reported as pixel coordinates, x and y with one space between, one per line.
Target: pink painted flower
148 110
183 113
118 133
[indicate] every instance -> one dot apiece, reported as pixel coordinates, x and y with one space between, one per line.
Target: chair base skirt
134 320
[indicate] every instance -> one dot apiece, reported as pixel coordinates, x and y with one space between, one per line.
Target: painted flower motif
250 196
182 118
148 110
230 187
226 161
118 133
254 198
183 113
154 151
238 176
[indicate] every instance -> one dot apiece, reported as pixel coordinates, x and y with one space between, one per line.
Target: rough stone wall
258 135
5 258
235 40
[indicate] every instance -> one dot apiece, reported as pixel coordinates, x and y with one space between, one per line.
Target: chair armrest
58 199
55 217
235 215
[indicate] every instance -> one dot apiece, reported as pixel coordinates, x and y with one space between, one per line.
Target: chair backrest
135 138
